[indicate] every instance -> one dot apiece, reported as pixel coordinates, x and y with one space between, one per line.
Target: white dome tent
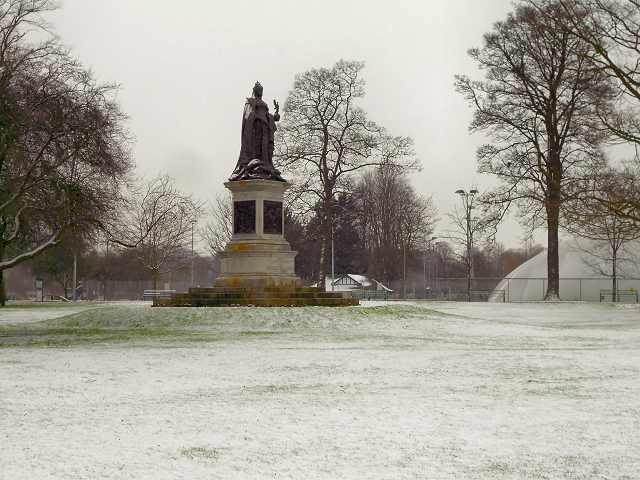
528 282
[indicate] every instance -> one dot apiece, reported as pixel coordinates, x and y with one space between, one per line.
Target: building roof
351 281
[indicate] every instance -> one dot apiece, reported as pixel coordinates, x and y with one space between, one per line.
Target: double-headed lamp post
435 273
193 224
467 202
429 240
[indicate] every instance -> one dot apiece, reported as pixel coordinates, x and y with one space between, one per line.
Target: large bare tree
539 106
64 150
612 29
160 224
325 137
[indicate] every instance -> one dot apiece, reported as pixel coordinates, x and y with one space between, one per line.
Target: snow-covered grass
382 391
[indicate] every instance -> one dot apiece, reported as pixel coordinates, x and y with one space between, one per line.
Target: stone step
207 290
250 295
257 302
270 296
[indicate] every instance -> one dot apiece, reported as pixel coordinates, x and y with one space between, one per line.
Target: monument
257 255
257 263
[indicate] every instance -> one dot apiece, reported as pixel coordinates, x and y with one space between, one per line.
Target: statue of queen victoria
256 151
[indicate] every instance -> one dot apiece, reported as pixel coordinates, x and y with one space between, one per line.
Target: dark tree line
377 228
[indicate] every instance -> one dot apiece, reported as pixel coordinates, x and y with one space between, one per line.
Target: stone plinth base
257 297
257 263
257 256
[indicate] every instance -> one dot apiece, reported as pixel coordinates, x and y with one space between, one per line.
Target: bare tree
610 234
160 225
393 221
325 137
219 229
470 229
612 29
539 106
64 152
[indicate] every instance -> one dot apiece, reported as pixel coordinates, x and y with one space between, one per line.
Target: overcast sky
186 67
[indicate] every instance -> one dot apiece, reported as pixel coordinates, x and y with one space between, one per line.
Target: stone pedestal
257 255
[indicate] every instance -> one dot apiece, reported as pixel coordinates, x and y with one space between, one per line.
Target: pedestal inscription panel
272 217
257 256
244 216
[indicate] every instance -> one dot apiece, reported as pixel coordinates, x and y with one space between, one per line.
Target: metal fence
530 289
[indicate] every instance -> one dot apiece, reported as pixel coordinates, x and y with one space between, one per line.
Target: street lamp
404 271
193 223
333 261
435 275
467 202
429 240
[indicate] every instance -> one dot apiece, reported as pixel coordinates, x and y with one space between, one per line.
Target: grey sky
185 68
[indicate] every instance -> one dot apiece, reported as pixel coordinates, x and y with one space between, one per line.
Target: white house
351 282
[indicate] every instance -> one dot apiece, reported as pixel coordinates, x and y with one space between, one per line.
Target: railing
370 294
618 293
484 295
157 294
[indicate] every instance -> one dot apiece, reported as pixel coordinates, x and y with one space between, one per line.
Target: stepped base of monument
258 297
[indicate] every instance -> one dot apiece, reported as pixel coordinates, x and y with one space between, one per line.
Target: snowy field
381 391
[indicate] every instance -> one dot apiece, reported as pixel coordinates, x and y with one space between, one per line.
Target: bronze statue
256 151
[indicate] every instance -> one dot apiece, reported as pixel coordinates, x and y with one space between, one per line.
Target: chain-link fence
527 289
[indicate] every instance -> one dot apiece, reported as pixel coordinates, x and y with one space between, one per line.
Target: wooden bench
157 294
618 294
486 294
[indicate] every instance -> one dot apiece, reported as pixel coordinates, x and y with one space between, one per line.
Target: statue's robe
258 129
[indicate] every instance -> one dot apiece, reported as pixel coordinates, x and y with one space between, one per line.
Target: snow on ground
30 311
386 390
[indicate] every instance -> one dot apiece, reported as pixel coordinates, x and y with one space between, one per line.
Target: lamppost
435 273
430 260
75 272
424 269
404 271
467 202
333 261
193 223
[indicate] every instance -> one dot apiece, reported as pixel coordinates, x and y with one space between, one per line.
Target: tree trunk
553 200
154 274
3 292
326 242
614 276
553 251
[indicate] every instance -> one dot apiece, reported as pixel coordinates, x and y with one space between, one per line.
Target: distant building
353 283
